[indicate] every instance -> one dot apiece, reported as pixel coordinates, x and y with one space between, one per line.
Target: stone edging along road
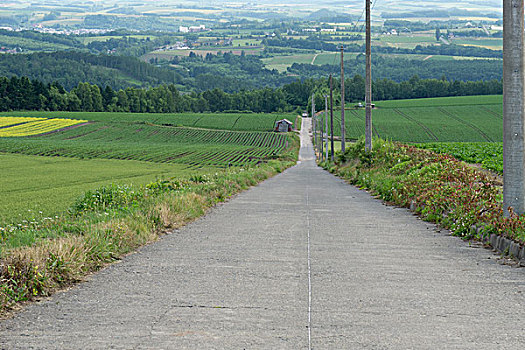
503 245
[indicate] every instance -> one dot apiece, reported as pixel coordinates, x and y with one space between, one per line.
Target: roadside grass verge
440 188
109 222
488 154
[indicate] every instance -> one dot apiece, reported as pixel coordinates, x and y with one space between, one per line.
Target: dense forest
225 71
65 40
231 72
25 94
70 68
137 23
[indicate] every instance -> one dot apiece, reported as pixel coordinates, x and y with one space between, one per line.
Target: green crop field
220 121
406 42
193 147
333 58
489 155
45 173
451 119
489 43
246 42
38 187
281 63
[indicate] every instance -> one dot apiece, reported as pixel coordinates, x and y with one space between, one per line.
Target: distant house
283 125
360 105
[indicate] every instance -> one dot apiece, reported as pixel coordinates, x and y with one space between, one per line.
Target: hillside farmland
451 119
46 168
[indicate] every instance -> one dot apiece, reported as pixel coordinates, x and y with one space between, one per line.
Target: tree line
225 71
70 67
401 69
25 94
317 43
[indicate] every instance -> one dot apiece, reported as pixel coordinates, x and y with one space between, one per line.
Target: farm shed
283 125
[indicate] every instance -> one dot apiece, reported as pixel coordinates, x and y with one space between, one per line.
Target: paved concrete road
240 279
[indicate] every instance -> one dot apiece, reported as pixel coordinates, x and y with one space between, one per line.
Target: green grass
449 119
408 39
281 63
245 42
443 101
405 42
489 43
37 187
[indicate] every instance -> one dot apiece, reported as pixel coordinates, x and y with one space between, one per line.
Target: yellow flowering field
33 126
7 121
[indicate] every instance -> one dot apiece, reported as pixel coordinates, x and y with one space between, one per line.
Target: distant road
314 58
301 261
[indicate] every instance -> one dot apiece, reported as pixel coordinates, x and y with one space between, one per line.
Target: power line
364 22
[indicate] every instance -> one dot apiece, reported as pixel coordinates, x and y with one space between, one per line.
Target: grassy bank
106 223
441 188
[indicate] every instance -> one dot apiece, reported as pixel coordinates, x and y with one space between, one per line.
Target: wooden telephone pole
368 92
321 138
326 126
343 131
513 107
331 119
313 123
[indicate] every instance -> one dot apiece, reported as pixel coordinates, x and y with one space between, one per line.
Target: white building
197 28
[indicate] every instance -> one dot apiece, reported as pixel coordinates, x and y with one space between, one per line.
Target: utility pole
513 107
331 119
313 121
321 143
368 92
343 129
326 125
